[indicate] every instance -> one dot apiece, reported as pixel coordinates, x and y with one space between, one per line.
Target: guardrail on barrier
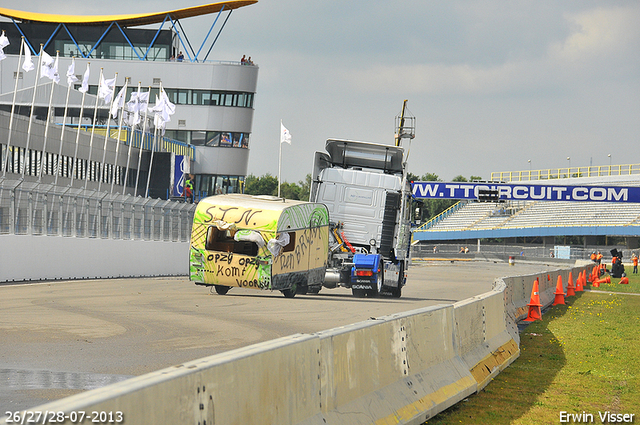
401 369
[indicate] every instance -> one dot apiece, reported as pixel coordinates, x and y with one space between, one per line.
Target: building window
209 184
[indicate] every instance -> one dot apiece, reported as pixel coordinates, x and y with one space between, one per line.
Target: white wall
51 257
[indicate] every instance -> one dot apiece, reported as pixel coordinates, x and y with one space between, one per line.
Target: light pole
569 169
609 160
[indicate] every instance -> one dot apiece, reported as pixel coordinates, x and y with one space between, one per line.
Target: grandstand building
214 101
540 228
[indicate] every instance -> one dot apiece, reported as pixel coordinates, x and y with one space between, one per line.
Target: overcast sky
492 84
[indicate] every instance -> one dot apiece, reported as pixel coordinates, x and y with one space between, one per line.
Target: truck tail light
364 273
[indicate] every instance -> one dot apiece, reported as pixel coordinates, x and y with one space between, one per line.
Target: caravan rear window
222 240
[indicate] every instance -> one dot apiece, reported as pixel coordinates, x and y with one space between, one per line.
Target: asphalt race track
60 338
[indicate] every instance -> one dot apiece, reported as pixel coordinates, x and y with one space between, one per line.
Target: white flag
285 136
85 81
4 41
56 75
27 65
71 73
137 104
118 102
158 121
106 89
163 107
46 69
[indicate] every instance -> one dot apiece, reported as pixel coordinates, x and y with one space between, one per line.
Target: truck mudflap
393 274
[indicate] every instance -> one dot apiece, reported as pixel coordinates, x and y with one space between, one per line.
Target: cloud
602 33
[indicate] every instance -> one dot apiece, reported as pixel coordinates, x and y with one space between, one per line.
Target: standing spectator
243 61
634 258
180 57
188 188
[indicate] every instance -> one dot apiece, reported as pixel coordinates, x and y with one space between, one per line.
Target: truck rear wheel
291 292
221 290
379 282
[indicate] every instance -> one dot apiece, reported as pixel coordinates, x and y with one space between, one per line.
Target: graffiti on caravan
526 192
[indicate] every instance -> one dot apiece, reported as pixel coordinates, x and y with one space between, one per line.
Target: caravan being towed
260 242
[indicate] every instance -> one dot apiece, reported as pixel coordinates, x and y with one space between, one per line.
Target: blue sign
179 174
526 192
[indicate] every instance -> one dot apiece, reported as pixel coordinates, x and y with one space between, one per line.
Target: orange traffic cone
624 281
559 299
535 313
580 281
597 282
570 287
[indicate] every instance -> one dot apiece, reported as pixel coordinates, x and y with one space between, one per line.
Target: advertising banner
525 192
180 169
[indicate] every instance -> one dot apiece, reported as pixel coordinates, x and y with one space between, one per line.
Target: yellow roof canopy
129 20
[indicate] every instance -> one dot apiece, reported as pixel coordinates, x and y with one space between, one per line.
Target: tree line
422 209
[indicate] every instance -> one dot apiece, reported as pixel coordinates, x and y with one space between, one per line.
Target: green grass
632 287
582 357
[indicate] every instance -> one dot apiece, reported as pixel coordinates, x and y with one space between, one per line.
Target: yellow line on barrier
427 402
500 358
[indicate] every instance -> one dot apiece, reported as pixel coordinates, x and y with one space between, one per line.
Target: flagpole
46 127
280 159
103 164
133 127
75 154
153 145
13 107
87 176
144 129
115 161
33 102
64 127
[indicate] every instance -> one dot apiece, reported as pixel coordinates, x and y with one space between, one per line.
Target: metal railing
567 172
444 214
424 250
46 210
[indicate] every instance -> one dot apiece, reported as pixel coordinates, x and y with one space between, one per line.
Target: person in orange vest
599 257
593 256
634 259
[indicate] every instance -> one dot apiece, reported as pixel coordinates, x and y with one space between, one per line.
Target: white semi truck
365 190
364 186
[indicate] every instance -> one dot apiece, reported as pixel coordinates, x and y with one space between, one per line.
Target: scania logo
361 287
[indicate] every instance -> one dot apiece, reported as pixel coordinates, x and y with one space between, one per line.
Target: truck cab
364 188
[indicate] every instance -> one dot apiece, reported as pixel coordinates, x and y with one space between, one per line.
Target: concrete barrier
402 368
25 257
397 369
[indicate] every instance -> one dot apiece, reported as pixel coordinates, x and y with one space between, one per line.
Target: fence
575 252
567 172
47 210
